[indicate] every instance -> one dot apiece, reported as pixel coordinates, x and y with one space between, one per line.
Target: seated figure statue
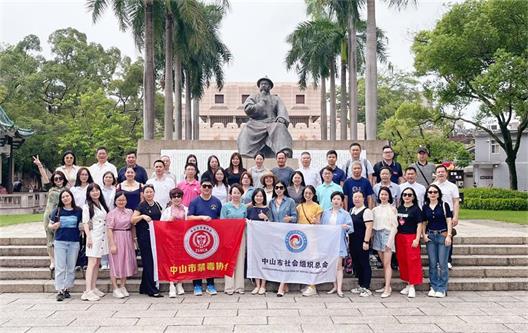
267 129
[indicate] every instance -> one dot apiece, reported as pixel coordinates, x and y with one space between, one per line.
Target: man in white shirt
355 155
310 174
162 184
451 195
419 189
97 170
167 162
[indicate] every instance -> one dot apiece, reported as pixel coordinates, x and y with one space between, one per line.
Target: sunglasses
279 187
207 186
407 194
58 178
432 192
177 196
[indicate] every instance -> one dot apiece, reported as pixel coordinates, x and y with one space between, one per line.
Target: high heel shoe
386 293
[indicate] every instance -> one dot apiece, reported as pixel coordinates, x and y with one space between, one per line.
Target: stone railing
23 203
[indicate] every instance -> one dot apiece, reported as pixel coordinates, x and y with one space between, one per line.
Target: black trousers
148 285
360 260
210 282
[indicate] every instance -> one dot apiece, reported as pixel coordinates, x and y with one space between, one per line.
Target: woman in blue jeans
64 220
438 238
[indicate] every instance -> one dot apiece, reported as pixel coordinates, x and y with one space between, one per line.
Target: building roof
8 129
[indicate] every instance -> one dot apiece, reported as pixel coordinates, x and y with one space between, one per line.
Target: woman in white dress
94 223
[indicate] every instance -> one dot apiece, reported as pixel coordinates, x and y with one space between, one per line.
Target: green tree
478 50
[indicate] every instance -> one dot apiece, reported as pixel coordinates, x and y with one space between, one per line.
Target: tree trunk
169 105
323 120
371 92
343 99
196 118
188 103
178 93
332 102
352 78
512 168
148 74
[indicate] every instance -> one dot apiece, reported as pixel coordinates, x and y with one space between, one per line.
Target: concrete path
459 312
468 228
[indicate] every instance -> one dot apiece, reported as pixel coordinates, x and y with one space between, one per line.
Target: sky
255 31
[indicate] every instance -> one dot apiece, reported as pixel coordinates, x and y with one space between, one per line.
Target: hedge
495 204
493 193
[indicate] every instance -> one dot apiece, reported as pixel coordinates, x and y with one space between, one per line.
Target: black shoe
67 293
60 296
158 295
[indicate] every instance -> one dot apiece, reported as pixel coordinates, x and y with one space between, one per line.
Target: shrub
493 193
495 204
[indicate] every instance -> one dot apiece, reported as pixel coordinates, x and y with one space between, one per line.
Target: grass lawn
519 217
6 220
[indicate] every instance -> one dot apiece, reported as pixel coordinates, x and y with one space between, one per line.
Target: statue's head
265 84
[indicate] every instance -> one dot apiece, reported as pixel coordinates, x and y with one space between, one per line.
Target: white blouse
385 217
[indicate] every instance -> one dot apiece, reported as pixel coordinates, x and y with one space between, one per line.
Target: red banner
187 250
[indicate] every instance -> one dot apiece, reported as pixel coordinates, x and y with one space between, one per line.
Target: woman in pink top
190 185
122 256
175 211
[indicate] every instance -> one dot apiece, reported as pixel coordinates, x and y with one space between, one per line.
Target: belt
121 229
437 231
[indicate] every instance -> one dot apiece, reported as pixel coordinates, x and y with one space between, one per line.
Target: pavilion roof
8 129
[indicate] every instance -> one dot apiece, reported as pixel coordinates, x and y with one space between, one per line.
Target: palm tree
314 47
140 16
371 79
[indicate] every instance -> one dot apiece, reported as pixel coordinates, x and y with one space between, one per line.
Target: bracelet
366 242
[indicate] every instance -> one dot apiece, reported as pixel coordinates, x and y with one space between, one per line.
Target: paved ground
469 228
459 312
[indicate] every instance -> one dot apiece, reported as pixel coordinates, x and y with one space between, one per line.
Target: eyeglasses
407 194
432 192
279 187
207 186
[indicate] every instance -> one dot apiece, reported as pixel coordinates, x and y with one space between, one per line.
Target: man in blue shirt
388 161
205 207
141 173
356 183
338 176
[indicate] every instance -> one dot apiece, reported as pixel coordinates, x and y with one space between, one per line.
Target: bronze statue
267 129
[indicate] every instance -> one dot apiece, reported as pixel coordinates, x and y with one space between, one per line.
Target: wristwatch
366 242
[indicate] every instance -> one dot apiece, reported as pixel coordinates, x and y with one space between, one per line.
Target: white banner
293 253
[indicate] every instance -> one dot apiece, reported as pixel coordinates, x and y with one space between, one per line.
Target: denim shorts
381 238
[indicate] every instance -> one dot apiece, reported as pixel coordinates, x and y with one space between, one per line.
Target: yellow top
306 212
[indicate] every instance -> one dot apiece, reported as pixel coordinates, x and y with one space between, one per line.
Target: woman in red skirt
410 222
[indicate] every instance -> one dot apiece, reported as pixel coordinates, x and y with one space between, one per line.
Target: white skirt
99 240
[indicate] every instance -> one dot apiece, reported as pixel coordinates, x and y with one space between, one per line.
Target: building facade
490 168
222 112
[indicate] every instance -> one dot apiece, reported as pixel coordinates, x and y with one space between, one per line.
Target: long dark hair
91 203
240 166
415 199
426 198
61 204
300 174
224 181
311 188
209 163
285 192
386 189
78 178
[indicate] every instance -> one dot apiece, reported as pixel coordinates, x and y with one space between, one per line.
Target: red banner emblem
187 250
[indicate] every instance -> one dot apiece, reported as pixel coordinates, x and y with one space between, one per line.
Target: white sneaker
172 291
117 293
105 267
431 293
84 296
412 292
255 291
449 265
365 293
124 292
309 291
380 290
439 294
98 292
179 289
90 296
357 290
405 291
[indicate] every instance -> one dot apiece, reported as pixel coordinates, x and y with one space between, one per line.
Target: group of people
379 207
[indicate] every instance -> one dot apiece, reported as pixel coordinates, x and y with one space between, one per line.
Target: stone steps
455 284
42 273
462 249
